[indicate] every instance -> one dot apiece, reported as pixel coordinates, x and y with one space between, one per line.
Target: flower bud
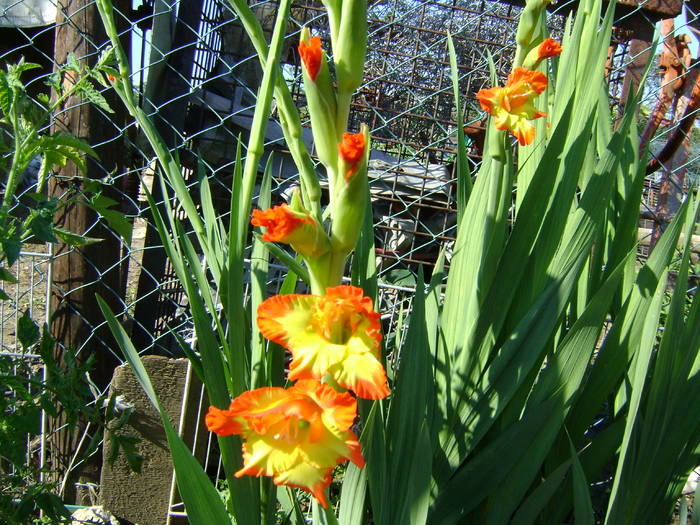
320 97
351 47
351 189
547 49
530 28
298 229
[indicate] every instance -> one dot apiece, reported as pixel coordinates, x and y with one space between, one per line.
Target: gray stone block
143 498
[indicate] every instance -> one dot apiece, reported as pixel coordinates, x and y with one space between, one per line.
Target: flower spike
336 334
512 106
296 435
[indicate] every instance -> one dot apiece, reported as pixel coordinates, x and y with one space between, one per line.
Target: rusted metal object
680 91
674 61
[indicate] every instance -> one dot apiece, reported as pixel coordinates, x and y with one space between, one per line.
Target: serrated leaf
53 80
5 93
100 202
3 295
73 239
87 91
41 225
72 63
119 223
21 67
11 247
28 332
6 275
106 58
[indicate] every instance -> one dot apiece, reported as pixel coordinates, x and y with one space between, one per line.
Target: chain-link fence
196 74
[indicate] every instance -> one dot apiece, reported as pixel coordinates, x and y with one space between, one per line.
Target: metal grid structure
197 75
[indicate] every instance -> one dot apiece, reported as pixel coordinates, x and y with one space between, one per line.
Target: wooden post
80 274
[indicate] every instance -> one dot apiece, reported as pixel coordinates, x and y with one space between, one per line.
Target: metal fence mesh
196 74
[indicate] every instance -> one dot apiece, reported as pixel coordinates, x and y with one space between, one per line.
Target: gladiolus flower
310 53
512 106
548 48
352 150
336 334
296 435
291 227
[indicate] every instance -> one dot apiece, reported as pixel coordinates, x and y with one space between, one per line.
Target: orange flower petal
523 80
221 423
281 222
310 53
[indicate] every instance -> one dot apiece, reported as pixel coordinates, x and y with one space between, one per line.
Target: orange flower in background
337 334
297 435
297 229
352 150
512 106
548 48
310 53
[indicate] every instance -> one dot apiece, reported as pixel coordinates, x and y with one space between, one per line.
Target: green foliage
25 391
27 137
64 385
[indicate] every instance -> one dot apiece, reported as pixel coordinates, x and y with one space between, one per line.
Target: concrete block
143 498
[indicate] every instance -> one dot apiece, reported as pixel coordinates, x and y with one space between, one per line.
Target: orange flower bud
280 222
310 53
297 229
352 150
548 49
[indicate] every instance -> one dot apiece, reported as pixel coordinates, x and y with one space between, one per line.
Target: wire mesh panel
196 74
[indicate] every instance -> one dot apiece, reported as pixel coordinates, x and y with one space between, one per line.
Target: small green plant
29 150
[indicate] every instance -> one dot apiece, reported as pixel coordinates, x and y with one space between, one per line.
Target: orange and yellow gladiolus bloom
512 106
336 334
296 435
